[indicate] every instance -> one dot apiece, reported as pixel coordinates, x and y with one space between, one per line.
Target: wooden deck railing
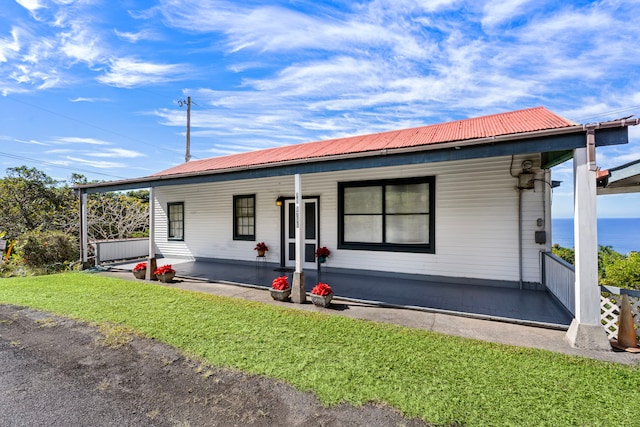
559 278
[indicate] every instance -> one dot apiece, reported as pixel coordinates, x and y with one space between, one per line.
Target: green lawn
441 379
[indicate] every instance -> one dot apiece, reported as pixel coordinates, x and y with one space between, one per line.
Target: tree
30 200
118 216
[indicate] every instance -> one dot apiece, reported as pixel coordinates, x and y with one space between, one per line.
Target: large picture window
244 217
390 215
175 221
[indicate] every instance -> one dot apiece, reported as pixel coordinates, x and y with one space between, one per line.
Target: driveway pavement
35 393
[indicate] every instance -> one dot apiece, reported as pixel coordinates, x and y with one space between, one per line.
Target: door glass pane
407 198
310 221
292 220
309 252
292 251
407 228
363 228
363 200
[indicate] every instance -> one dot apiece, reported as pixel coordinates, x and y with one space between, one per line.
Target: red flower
280 283
262 246
323 251
164 270
322 289
140 266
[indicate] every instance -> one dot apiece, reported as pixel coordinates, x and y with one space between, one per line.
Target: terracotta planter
140 274
280 295
321 300
166 277
260 253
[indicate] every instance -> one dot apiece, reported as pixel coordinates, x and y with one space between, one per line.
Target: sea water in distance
622 234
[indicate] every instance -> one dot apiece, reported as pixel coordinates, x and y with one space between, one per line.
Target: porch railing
559 278
113 250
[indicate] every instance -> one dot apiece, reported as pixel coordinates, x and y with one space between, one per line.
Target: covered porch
529 307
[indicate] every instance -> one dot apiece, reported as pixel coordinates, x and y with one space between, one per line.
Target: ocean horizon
622 234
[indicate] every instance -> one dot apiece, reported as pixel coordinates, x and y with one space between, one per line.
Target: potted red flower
280 289
322 253
261 248
321 295
165 273
140 270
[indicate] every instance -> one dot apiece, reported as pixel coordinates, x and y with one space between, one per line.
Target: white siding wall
476 219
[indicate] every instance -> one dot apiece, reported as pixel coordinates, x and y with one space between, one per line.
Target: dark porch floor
406 291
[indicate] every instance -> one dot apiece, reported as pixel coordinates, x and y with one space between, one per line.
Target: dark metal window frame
389 247
236 233
170 221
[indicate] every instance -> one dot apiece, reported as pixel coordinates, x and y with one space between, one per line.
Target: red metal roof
515 122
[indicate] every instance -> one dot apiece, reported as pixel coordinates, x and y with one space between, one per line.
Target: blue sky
94 86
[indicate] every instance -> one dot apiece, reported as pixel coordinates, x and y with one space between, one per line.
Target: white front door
308 229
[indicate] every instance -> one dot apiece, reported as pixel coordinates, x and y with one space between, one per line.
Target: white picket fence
610 299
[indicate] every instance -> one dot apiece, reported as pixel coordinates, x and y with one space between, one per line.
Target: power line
609 113
42 162
129 137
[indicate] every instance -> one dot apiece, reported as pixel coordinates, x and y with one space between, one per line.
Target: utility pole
187 155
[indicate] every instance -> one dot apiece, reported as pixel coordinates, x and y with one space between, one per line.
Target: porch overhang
620 180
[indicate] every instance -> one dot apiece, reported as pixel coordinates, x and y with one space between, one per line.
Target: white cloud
135 37
59 151
497 12
9 46
30 5
83 99
277 29
78 140
130 72
116 152
96 164
30 142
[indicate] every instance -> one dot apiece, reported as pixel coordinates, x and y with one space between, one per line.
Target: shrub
13 267
566 254
623 273
48 251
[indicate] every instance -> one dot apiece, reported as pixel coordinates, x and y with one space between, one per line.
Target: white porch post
586 331
151 260
298 291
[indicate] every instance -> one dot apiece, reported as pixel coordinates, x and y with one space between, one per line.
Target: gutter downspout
520 236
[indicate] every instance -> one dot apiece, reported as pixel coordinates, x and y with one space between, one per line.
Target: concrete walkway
485 330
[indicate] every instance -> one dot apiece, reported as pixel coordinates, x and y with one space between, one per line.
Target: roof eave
143 182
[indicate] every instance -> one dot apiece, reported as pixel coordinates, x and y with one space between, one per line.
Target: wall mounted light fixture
279 201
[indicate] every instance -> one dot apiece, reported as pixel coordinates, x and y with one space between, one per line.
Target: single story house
469 199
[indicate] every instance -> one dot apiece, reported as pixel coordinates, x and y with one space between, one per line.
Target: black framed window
175 217
387 215
244 217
